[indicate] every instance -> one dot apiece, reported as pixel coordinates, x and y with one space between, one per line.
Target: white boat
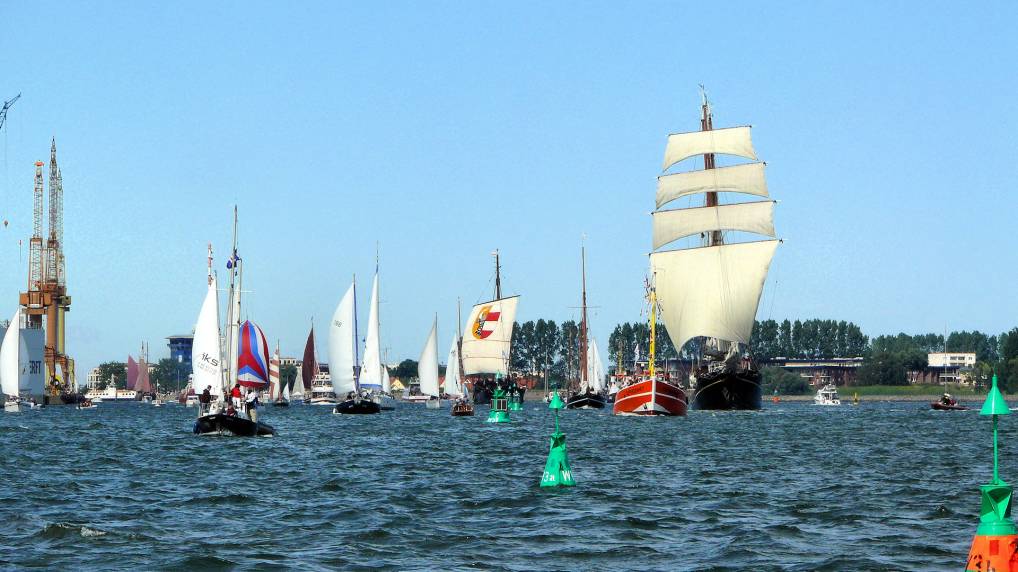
9 370
827 395
343 358
427 369
111 393
321 390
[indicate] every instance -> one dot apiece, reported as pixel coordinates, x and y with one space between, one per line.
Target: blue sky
443 130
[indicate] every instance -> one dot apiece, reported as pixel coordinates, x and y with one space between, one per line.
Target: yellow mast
652 295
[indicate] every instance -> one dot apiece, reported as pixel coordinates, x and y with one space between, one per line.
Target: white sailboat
9 370
207 363
343 359
427 369
295 396
453 383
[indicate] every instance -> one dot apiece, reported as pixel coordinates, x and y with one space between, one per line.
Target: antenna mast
498 277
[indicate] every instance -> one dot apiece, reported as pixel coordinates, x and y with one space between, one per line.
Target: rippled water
888 486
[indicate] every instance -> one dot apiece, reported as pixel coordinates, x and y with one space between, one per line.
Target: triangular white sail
595 368
747 178
298 386
488 336
371 368
711 291
386 384
730 141
206 351
9 354
453 383
286 390
341 344
757 217
427 366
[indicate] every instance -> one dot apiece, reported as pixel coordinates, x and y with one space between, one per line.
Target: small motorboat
223 423
462 408
827 395
86 404
947 403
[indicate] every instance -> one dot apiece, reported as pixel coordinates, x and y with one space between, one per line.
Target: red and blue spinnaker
253 358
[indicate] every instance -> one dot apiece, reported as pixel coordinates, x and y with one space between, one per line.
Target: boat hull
221 423
462 410
650 398
586 401
944 407
728 391
356 407
280 404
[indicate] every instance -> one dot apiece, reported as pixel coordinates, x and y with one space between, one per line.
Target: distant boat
427 369
947 402
275 387
454 386
488 340
590 393
316 382
247 358
827 395
712 291
343 358
9 370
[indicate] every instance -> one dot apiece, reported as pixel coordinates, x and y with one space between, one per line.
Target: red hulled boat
650 397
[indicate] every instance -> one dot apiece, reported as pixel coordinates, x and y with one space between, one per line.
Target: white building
951 359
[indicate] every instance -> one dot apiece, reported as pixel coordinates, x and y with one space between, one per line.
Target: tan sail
488 335
672 225
730 141
747 178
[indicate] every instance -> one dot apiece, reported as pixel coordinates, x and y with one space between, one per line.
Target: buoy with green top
514 401
499 412
995 546
556 471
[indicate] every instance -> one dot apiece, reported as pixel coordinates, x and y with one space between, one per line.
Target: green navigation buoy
996 537
499 412
556 471
514 401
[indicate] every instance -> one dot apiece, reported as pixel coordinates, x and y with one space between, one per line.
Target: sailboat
10 377
343 358
374 376
427 369
712 290
296 395
143 385
454 386
485 347
590 392
275 388
246 350
315 380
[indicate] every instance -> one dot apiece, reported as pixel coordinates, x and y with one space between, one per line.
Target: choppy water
888 486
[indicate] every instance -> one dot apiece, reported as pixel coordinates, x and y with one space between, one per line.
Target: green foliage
287 375
116 369
169 374
882 368
407 369
812 339
785 382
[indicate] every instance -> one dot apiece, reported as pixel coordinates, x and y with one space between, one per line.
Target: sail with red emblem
253 358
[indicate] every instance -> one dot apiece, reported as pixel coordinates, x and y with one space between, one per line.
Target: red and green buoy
995 545
556 471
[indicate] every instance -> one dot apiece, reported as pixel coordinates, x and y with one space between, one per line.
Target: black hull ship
728 391
222 423
357 407
586 400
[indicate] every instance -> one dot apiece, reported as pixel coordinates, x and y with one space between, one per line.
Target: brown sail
309 367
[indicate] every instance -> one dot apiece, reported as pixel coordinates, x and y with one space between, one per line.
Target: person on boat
236 395
947 399
252 405
205 399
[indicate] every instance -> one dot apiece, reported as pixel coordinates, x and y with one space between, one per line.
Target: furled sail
206 352
453 383
595 368
309 365
427 366
252 357
756 217
711 291
748 178
10 350
371 368
274 390
730 141
488 336
341 342
132 373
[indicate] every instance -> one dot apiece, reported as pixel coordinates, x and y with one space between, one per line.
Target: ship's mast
583 317
459 343
707 124
652 296
356 352
498 278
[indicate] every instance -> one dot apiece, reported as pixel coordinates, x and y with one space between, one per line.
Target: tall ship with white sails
487 340
710 290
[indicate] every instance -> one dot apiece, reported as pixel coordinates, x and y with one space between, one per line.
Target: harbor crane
7 106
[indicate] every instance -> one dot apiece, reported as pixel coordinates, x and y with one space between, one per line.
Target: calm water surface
882 486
